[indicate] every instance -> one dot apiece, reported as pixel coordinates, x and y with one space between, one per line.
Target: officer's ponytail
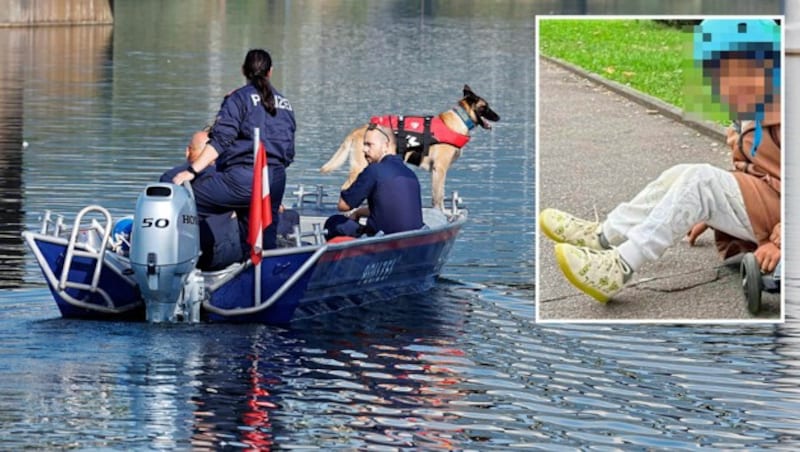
256 68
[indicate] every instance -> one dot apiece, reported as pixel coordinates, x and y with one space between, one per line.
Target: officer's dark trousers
220 192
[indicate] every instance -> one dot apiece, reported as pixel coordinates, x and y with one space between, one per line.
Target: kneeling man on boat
390 188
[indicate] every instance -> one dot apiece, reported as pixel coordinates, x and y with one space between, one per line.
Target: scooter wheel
751 282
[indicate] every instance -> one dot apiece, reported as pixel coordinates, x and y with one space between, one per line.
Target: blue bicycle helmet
121 233
715 36
757 39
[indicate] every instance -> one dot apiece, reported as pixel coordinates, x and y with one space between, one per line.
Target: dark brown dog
433 143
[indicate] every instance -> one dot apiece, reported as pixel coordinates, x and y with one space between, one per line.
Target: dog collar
462 113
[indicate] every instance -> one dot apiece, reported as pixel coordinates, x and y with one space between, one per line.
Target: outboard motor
165 246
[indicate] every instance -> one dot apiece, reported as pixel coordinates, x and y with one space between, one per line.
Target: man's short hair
387 132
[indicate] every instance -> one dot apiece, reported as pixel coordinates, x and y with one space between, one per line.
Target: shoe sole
552 235
561 258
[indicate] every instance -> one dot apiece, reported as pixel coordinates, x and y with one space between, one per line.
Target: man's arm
355 214
353 196
206 157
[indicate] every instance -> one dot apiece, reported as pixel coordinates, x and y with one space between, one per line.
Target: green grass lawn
643 54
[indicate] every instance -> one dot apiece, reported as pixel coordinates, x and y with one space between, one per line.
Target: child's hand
731 137
767 255
775 237
695 232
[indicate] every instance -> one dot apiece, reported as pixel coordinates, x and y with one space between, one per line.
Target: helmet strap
757 131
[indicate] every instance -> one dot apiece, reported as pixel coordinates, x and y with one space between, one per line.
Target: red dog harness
417 133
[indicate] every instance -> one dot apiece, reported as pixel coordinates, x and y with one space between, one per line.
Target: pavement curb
707 128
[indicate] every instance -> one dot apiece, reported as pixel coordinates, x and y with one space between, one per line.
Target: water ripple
407 384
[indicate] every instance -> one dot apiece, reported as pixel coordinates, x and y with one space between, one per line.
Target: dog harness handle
426 135
401 135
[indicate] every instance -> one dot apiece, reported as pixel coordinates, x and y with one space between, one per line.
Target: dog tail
341 154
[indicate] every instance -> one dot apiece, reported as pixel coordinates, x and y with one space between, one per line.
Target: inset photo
658 178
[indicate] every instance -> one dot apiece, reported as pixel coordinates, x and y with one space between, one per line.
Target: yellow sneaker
565 228
600 274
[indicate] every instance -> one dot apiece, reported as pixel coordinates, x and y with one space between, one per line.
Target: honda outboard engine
165 246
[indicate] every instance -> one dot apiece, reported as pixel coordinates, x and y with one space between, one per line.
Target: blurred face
743 83
376 145
195 146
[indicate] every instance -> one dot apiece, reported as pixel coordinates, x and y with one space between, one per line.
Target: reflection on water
474 374
11 106
50 71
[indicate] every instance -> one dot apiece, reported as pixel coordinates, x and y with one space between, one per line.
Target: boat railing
61 283
455 204
57 225
452 211
317 233
316 195
285 287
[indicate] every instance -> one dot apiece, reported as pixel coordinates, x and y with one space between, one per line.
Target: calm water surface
104 110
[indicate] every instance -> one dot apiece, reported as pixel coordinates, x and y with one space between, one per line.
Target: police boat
144 266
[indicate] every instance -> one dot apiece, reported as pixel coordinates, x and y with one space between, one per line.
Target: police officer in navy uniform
390 188
230 144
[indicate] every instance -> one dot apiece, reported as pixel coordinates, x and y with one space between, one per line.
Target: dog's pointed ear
470 96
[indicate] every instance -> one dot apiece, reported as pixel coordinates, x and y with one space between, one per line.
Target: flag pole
257 277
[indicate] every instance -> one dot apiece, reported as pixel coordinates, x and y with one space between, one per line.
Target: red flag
260 205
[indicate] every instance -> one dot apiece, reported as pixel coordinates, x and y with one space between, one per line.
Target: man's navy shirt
392 193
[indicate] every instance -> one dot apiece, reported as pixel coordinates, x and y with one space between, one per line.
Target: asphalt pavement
599 144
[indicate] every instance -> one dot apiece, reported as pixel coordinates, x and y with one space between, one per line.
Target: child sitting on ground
742 60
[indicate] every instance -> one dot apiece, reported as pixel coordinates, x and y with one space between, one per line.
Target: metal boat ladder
73 251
